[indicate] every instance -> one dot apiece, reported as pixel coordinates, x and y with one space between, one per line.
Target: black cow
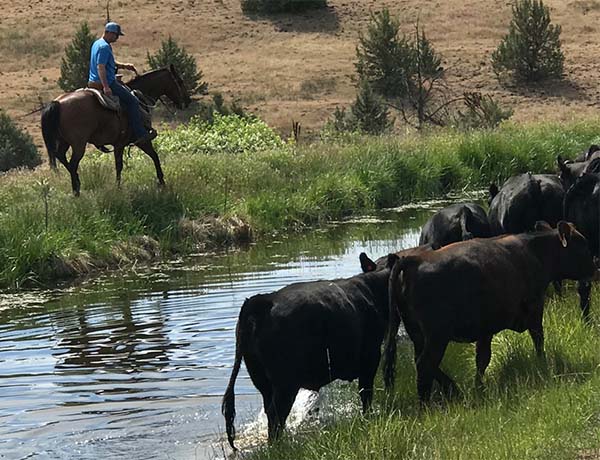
523 200
582 207
305 336
469 291
570 170
457 222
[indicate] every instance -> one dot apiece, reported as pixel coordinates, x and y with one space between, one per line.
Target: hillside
294 67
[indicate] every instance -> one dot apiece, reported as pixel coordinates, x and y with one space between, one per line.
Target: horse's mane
145 75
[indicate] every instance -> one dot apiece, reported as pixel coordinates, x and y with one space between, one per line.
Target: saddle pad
109 102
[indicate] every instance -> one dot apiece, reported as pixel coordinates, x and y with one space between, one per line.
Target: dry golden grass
297 67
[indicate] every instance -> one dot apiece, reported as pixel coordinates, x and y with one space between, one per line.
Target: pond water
133 365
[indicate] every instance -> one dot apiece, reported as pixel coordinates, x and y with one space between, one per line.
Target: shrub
74 67
280 6
482 111
531 50
16 147
171 52
226 134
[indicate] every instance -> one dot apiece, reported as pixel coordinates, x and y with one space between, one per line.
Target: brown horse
76 119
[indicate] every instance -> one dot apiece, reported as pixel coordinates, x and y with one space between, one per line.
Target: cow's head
569 171
575 257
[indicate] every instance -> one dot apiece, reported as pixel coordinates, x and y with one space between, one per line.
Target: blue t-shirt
102 54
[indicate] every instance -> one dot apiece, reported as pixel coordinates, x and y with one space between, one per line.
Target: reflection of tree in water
112 338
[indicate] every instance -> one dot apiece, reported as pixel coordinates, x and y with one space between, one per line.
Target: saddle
112 103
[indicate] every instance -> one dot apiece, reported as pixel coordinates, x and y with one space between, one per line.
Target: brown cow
469 291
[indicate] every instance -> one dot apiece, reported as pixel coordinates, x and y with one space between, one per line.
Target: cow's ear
493 191
561 164
593 148
542 225
366 264
391 260
565 230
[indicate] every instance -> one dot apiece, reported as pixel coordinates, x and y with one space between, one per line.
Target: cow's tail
396 305
50 130
251 316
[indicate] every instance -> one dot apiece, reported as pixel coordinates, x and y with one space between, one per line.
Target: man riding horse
73 120
103 76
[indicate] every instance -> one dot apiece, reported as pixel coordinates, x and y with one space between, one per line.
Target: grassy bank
229 181
530 408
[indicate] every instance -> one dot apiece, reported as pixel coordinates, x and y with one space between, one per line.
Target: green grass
530 408
240 171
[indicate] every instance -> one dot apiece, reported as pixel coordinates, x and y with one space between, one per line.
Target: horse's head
177 91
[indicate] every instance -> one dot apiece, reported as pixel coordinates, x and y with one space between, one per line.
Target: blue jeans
132 106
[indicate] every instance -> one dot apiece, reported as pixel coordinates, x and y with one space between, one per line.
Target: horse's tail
396 307
50 127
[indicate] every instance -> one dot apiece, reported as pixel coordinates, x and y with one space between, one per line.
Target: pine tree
531 51
404 70
370 113
171 53
74 67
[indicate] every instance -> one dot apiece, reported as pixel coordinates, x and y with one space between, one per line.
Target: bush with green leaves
75 65
16 147
231 134
531 51
281 6
403 69
482 111
171 52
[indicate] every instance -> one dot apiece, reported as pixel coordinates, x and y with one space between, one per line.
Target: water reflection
134 364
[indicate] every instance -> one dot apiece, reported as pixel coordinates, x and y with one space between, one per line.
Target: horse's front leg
149 150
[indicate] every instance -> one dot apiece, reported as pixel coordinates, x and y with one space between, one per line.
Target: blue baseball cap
113 27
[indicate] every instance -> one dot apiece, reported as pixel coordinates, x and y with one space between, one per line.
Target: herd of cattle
472 275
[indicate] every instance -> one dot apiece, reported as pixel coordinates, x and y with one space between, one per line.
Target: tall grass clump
239 170
529 408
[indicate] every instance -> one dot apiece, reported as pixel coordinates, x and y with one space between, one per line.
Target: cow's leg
584 288
483 354
428 365
279 409
536 328
558 287
367 376
447 385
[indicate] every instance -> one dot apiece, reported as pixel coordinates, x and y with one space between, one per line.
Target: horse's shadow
323 20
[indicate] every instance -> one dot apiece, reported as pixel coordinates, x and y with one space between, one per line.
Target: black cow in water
469 291
523 200
305 336
570 170
457 222
582 207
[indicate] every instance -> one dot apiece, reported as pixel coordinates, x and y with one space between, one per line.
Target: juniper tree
171 52
74 66
531 51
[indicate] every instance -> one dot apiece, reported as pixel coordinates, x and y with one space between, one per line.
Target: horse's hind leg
149 150
119 163
73 165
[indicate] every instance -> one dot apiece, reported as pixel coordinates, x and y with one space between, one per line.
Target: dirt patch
295 67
